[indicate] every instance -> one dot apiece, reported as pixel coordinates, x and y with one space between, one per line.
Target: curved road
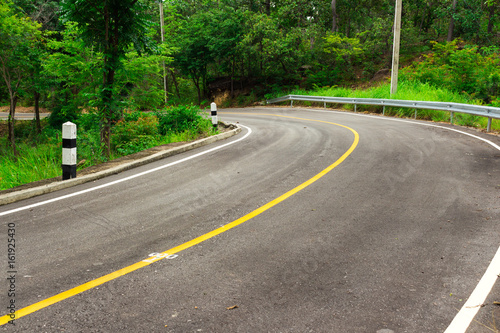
393 236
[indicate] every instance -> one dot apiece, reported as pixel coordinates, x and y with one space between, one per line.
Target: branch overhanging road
395 238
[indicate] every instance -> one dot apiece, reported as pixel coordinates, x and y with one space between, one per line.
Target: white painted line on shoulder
466 315
126 178
494 145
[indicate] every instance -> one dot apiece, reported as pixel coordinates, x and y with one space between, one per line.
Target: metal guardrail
489 112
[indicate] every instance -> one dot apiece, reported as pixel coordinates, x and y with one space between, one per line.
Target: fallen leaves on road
232 307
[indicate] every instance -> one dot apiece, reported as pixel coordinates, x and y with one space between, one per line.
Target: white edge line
126 178
466 315
494 145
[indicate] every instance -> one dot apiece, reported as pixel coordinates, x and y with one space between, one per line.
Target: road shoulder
110 168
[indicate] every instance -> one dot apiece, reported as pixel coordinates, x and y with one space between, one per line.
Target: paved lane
394 238
22 116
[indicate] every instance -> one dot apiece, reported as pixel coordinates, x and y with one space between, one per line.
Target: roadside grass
39 156
34 162
407 90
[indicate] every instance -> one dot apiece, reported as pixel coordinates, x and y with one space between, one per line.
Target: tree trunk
196 82
232 79
175 83
261 60
11 121
283 66
452 21
422 20
490 19
334 15
37 112
348 23
106 90
107 112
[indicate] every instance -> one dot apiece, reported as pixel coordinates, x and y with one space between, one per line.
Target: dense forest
110 56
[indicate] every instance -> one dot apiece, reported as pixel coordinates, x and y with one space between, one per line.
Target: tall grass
407 90
40 156
33 163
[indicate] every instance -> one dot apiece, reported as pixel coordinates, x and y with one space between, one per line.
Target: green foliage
73 71
465 69
407 90
93 68
19 36
182 118
341 49
112 27
134 133
34 163
138 82
40 158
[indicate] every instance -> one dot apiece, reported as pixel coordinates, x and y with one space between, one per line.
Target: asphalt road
22 116
394 238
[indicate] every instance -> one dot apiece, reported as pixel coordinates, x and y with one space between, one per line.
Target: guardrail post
213 112
488 128
355 107
451 117
291 103
383 110
68 150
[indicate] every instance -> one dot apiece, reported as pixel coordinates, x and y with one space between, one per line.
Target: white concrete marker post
68 150
213 108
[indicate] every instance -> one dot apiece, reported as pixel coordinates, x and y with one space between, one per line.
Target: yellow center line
106 278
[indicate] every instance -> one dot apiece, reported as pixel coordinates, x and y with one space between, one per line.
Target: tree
45 12
228 29
36 81
18 34
71 69
334 15
193 56
492 5
111 26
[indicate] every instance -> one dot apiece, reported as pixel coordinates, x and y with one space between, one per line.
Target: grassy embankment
39 156
413 91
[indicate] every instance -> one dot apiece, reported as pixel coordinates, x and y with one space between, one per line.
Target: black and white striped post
68 150
213 108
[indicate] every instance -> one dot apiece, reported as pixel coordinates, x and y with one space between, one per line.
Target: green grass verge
33 163
414 91
39 156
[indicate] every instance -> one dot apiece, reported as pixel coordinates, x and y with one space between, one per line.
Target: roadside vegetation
39 156
101 71
407 90
452 72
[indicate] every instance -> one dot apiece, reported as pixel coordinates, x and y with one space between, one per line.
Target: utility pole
163 62
395 53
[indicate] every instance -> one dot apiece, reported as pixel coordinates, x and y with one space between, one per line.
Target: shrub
181 118
131 135
460 68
